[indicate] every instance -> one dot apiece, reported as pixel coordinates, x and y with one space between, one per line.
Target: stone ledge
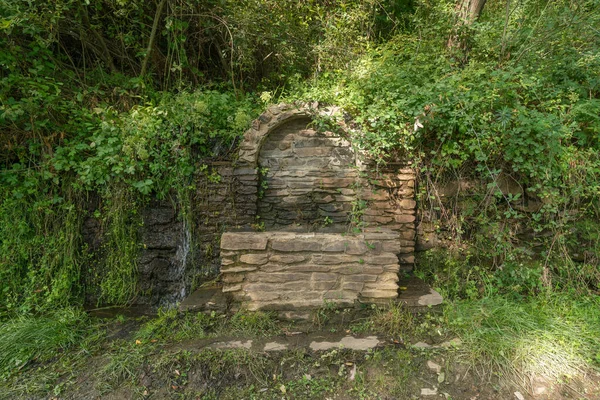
270 270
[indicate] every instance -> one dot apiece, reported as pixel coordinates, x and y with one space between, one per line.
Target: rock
347 342
429 392
431 299
244 241
275 346
434 367
519 396
456 342
293 244
287 259
234 344
422 345
255 259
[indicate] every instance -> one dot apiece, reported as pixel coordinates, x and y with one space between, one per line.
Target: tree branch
157 15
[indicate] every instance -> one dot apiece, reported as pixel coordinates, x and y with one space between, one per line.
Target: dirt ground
286 365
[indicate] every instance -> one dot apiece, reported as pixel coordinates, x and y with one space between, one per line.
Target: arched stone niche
303 182
308 179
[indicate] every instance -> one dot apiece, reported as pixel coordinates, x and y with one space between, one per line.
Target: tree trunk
467 11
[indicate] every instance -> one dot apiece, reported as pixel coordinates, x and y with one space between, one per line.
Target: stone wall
308 179
290 271
287 177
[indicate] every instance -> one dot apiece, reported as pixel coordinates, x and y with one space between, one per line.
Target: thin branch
159 9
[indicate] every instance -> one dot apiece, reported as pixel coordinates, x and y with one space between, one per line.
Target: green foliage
154 147
25 340
252 324
518 98
38 271
172 325
117 276
552 336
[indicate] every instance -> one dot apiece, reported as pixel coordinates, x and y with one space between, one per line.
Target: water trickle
183 251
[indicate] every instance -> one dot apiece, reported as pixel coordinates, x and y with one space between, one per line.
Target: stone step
416 294
413 292
317 341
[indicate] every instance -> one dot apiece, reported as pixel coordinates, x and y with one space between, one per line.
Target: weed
171 325
394 320
386 372
123 365
554 336
27 339
251 324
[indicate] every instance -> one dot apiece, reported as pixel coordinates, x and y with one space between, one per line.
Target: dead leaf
137 341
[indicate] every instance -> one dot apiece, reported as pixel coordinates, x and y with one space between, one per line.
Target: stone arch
271 119
307 179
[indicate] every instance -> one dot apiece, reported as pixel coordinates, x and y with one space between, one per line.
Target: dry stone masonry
339 228
290 271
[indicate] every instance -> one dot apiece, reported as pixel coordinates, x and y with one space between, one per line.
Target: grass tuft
27 339
552 336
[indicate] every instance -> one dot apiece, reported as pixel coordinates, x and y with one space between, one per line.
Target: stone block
378 195
388 277
382 259
391 268
318 276
404 218
254 258
312 151
391 246
264 296
380 205
325 285
244 241
285 304
295 268
279 277
338 245
232 278
333 259
353 286
227 261
380 235
232 270
340 295
231 288
335 182
379 294
388 285
407 259
360 278
357 248
287 258
407 204
405 177
295 244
